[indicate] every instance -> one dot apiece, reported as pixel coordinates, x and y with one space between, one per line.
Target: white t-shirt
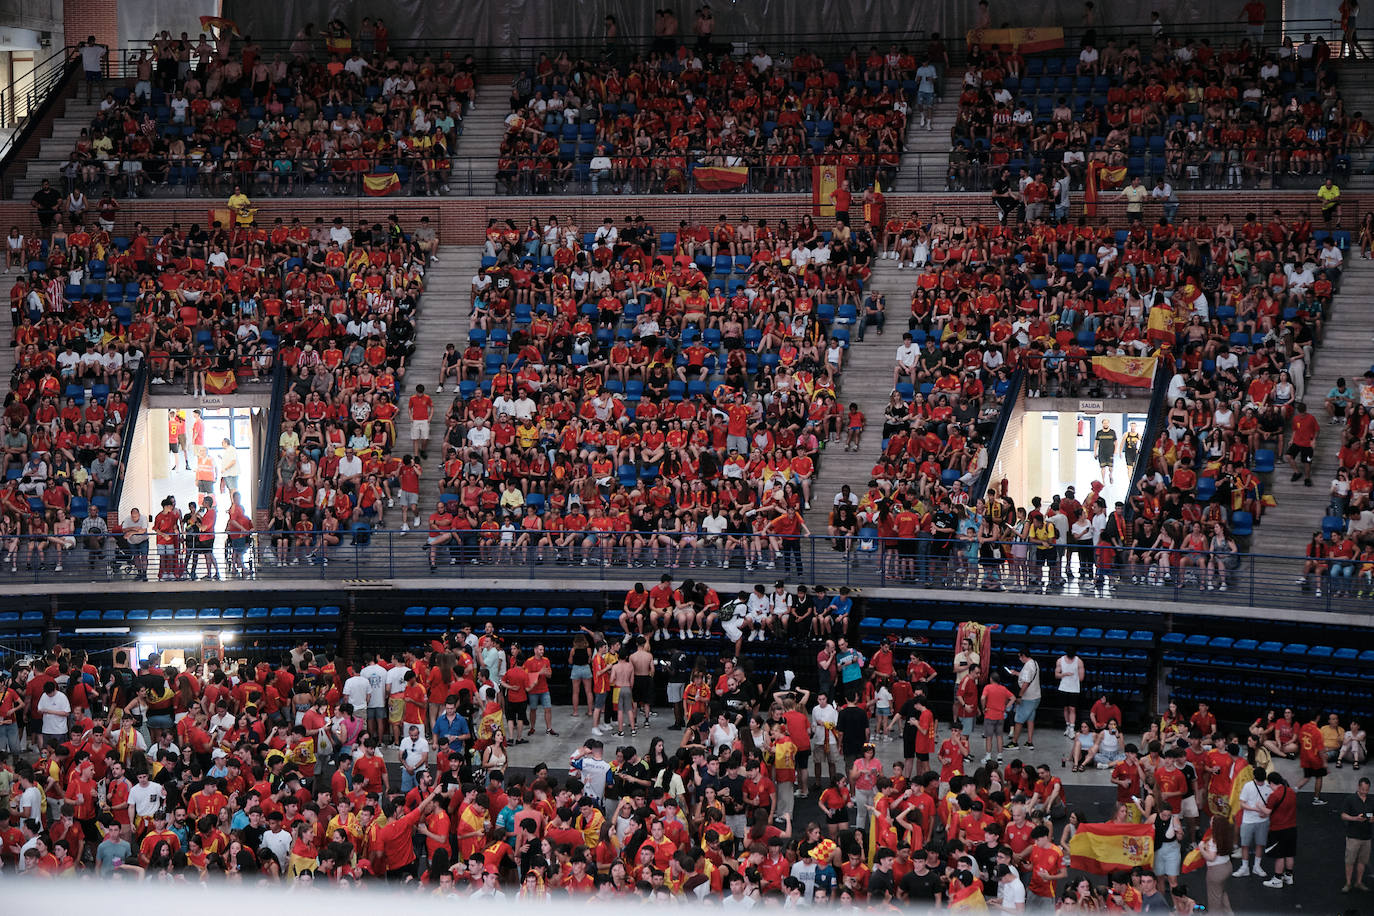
91 58
145 800
1030 679
396 680
1066 669
55 709
594 773
376 685
1011 893
355 691
1254 793
414 753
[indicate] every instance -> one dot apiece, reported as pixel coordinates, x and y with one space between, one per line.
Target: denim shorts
581 672
540 701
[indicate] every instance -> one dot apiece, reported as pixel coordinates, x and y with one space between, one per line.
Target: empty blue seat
1066 633
871 624
113 615
89 615
1221 642
942 626
1116 636
233 613
1245 645
208 613
413 611
1294 649
1041 632
1090 633
1014 629
1271 647
1195 641
330 612
439 612
137 614
281 612
918 626
185 613
894 624
162 613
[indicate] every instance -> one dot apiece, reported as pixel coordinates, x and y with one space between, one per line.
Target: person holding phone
1358 816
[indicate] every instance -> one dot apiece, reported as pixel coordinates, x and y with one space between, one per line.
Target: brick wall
100 18
462 221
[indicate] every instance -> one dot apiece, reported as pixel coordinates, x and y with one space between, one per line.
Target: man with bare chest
643 662
622 682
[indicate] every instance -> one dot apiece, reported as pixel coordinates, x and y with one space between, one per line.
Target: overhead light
228 637
93 631
166 638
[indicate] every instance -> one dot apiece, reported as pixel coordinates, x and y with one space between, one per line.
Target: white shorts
406 498
675 692
732 630
1187 806
419 429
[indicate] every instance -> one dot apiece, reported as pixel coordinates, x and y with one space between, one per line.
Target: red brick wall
462 220
100 18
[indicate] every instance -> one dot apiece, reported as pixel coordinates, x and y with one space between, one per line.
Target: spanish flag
1100 178
1100 849
492 722
381 185
221 382
219 24
1160 322
720 177
968 898
1134 371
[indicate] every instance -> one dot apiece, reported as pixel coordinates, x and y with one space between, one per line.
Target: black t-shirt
880 883
852 723
47 198
920 888
1358 830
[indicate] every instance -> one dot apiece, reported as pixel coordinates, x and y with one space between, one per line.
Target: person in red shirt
1312 758
995 700
393 844
1046 863
1305 432
538 667
516 682
421 409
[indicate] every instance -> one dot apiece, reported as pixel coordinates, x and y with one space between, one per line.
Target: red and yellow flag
221 382
1135 371
219 24
1100 849
720 177
381 185
1100 178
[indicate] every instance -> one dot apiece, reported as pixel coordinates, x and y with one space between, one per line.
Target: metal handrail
267 466
135 404
24 102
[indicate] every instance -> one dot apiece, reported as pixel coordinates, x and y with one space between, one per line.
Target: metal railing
24 102
486 176
588 556
267 466
135 403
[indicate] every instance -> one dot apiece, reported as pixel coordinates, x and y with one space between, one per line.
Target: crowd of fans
629 395
644 126
210 116
1340 556
1230 312
1174 108
399 769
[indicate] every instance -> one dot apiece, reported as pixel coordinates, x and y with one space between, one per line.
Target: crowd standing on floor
399 768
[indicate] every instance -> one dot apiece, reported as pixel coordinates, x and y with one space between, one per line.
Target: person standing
1069 671
1283 830
1312 758
421 408
1254 825
92 65
229 468
1027 700
994 700
1213 849
1358 816
1135 195
1105 444
1306 429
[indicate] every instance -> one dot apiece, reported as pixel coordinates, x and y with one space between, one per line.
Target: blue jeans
407 780
9 738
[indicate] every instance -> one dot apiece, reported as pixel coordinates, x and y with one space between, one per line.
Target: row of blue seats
186 615
1136 638
1319 653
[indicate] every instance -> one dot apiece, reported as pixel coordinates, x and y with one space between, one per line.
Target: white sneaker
404 529
1288 878
1274 882
1242 872
596 730
1258 872
439 388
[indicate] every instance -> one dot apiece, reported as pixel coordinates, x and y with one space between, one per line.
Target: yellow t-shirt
1328 195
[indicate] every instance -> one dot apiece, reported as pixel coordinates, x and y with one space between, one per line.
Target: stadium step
445 320
867 381
925 160
474 163
1345 351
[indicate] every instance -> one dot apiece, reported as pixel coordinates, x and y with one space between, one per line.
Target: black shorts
841 816
803 758
643 690
1283 844
1313 772
1301 452
906 547
517 710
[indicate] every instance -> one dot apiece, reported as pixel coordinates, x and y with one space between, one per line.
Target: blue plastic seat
233 613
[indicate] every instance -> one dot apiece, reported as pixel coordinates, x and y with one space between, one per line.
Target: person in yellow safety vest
205 471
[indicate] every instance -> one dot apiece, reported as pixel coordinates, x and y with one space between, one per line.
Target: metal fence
487 176
1255 580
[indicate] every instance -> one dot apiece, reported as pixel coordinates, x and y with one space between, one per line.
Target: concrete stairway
1357 91
55 149
925 160
443 320
474 162
1345 351
867 381
7 355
